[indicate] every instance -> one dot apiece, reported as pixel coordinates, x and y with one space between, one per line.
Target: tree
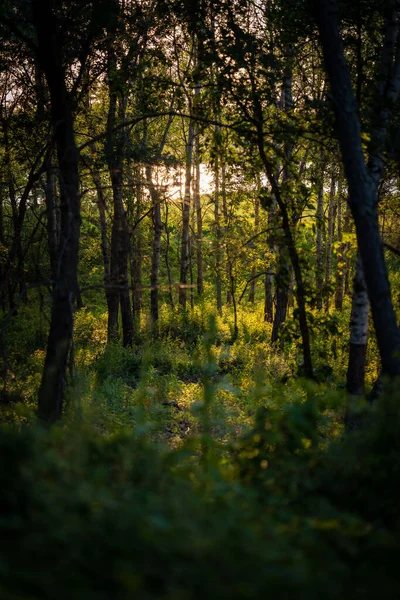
363 178
51 59
74 31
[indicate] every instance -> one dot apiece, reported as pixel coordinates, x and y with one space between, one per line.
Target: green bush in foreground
86 516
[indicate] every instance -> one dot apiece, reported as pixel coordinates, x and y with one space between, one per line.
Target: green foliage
85 515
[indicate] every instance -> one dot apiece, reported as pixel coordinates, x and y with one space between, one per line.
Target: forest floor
159 382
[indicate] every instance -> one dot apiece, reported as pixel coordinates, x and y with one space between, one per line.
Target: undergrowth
190 467
86 515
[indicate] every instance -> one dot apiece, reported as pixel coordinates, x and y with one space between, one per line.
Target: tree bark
269 278
217 243
199 219
225 253
119 292
357 347
329 241
269 298
61 324
283 275
252 291
167 263
156 246
319 245
136 250
358 332
291 247
52 218
362 180
186 217
105 247
341 261
282 294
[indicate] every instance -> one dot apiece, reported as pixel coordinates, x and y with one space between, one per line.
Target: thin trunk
269 278
252 291
319 250
132 211
232 289
16 246
192 236
186 218
113 297
341 261
191 274
225 231
329 241
52 218
156 247
119 291
167 263
293 254
282 294
283 274
105 247
136 250
217 249
347 263
199 219
269 298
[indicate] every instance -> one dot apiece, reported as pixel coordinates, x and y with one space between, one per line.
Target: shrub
87 516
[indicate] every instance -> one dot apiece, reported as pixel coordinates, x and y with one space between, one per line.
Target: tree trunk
186 217
52 218
283 271
293 254
228 265
252 291
329 241
358 346
191 273
269 298
269 278
105 247
199 219
362 180
136 250
119 291
232 289
341 261
358 333
156 247
61 324
347 226
319 248
218 231
167 263
282 294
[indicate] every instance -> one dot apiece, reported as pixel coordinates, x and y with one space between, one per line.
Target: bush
86 516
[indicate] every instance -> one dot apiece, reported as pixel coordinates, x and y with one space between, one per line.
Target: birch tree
364 177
